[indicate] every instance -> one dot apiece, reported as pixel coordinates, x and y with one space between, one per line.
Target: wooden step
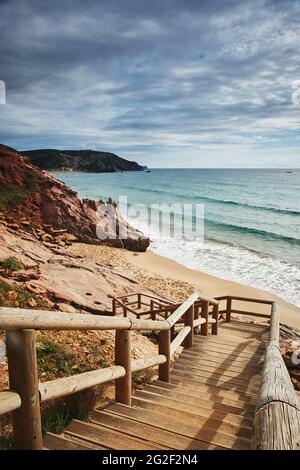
212 371
230 340
210 394
245 326
220 391
240 330
232 352
188 378
222 382
244 335
195 406
181 424
223 358
221 342
108 438
254 360
215 364
61 442
151 433
234 377
185 413
225 406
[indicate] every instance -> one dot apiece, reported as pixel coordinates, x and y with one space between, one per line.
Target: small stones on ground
65 308
47 237
13 226
32 302
12 295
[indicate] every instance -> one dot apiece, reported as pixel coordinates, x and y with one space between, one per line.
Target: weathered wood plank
277 418
123 359
179 339
23 378
147 431
164 345
109 438
180 311
277 427
19 319
182 423
146 362
68 385
209 401
9 401
174 402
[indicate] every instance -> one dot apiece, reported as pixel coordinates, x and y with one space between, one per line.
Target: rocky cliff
31 197
80 160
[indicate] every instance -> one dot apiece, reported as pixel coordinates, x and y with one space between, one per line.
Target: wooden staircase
229 389
209 403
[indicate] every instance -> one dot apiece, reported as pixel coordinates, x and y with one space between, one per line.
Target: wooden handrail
249 299
277 405
14 319
124 306
68 385
180 311
205 298
21 326
144 294
252 314
229 309
245 299
146 362
179 339
9 401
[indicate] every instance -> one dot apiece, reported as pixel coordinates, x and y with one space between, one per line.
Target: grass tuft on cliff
12 263
14 296
12 197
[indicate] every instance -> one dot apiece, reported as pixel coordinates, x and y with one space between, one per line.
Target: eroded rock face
27 192
80 160
61 277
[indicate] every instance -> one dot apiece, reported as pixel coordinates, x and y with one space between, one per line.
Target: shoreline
177 281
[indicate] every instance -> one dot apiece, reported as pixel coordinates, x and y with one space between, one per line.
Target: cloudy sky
169 83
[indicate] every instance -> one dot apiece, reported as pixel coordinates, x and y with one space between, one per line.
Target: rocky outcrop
80 160
59 279
290 350
30 196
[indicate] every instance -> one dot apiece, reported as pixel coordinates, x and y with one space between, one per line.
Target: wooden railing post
23 379
204 314
152 312
215 315
228 309
139 302
165 349
114 307
189 321
196 317
123 358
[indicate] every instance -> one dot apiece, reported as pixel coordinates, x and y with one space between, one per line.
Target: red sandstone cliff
28 193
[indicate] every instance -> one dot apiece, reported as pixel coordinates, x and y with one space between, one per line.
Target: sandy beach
176 281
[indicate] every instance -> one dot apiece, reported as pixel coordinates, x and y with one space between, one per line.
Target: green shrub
52 357
12 197
12 263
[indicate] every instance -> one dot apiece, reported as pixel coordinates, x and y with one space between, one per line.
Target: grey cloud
150 77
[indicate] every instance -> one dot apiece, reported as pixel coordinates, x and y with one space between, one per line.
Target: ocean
251 219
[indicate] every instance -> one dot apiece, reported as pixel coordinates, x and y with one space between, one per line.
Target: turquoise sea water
252 219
